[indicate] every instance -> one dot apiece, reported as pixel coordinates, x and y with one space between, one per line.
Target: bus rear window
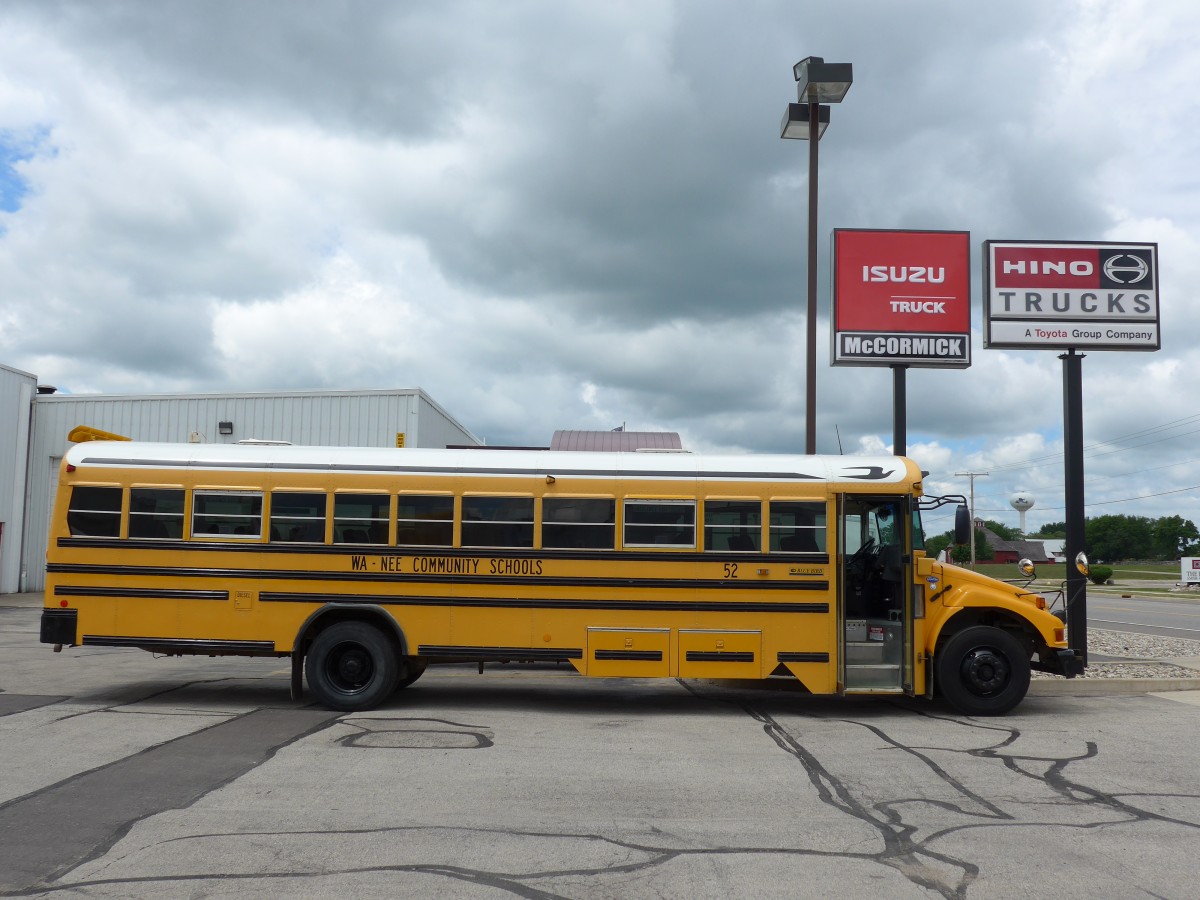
361 518
660 523
228 514
95 512
578 523
733 525
425 521
497 521
797 526
297 517
156 513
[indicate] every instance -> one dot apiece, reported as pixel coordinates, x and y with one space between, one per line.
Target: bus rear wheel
983 671
414 668
352 666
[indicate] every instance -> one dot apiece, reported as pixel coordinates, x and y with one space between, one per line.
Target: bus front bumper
1060 662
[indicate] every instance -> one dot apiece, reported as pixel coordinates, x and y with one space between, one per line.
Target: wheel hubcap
350 668
985 671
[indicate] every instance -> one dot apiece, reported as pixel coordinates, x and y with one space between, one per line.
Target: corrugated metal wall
16 392
337 419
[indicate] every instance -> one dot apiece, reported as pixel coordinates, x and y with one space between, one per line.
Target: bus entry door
875 609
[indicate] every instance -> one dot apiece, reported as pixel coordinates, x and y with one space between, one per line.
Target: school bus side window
578 523
660 523
797 526
425 520
95 512
733 525
227 514
297 517
156 513
497 521
361 518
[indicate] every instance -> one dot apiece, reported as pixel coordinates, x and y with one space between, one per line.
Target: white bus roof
539 463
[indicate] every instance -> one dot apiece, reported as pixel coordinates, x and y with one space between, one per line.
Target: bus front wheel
983 671
352 666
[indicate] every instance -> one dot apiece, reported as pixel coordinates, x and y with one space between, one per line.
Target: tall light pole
817 83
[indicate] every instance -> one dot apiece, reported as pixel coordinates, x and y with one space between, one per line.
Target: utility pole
972 476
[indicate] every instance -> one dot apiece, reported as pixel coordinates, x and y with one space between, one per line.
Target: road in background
1161 617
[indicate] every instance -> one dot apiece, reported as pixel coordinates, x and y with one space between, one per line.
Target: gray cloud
576 215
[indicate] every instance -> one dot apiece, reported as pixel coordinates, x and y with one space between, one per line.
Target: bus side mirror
962 525
1081 563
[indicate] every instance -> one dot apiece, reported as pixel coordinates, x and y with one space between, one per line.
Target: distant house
1014 551
1056 548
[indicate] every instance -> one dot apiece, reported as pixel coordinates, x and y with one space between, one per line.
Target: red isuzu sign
1058 296
901 298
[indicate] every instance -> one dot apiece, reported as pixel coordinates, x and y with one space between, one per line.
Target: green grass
1166 571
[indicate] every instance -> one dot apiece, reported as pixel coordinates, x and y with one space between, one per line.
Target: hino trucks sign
901 298
1059 296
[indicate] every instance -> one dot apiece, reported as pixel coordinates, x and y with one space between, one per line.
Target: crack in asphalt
904 849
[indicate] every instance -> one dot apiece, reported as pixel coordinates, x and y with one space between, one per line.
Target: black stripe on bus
549 553
79 590
179 645
795 656
443 651
277 466
629 655
406 579
732 656
555 603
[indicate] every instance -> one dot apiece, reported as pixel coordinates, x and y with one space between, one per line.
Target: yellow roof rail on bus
82 433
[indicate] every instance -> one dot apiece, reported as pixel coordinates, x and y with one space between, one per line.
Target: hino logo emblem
1126 269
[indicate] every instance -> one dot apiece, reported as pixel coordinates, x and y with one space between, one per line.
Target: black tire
983 671
414 668
352 666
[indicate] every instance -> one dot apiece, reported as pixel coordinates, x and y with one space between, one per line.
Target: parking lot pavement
131 776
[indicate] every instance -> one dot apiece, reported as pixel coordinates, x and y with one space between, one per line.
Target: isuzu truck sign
1059 296
901 298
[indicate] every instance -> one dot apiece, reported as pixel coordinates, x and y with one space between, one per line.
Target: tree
1119 537
1002 531
1174 536
1053 530
962 552
938 543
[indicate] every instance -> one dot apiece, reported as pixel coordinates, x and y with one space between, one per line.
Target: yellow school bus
366 565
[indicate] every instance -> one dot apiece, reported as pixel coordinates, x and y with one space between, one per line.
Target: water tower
1022 502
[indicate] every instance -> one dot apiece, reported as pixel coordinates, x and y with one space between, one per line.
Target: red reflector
62 603
70 468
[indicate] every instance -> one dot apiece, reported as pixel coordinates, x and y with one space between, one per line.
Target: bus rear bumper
59 626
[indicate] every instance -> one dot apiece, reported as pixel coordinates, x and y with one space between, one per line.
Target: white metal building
408 418
17 390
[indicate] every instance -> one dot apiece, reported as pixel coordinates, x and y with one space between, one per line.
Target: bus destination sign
1060 296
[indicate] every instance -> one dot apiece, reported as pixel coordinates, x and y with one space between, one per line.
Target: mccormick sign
901 298
1064 295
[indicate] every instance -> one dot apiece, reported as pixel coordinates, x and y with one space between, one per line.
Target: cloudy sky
580 214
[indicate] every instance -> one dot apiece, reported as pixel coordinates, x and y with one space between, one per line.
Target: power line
1053 457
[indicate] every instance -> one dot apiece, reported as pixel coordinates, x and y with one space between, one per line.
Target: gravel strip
1143 656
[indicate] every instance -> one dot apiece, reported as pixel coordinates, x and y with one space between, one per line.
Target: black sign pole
1073 479
899 410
